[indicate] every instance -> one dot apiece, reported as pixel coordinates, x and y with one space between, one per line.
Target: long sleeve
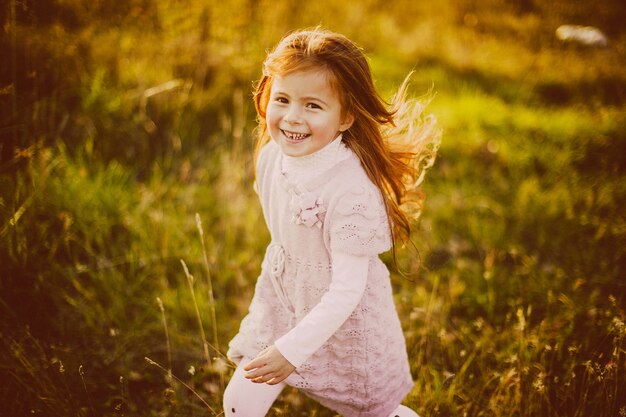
348 282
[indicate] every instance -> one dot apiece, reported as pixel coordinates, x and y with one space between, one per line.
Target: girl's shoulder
356 215
267 160
268 153
349 175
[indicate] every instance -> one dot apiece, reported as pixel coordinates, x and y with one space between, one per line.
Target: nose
292 116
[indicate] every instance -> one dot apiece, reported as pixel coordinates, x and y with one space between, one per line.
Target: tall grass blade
151 362
167 340
205 343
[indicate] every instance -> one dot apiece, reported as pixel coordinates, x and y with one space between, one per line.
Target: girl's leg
244 398
403 411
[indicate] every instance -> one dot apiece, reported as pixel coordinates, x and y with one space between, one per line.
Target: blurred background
130 237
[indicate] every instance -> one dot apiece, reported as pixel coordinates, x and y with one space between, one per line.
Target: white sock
244 398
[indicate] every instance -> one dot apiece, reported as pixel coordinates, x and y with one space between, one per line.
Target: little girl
336 172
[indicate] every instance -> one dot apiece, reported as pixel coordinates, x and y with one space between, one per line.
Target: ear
346 123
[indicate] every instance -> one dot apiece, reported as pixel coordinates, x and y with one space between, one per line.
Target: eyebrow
306 98
313 98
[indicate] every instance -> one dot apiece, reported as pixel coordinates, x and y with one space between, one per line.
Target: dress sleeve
346 289
359 223
266 157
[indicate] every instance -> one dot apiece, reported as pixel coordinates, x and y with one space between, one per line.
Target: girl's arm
344 294
346 289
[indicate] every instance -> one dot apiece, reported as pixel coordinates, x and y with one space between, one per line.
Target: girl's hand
270 367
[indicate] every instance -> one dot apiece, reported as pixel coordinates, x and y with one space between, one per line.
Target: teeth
295 136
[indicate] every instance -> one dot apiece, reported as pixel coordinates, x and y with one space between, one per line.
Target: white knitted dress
362 370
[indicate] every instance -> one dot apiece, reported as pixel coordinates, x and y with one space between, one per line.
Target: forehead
314 82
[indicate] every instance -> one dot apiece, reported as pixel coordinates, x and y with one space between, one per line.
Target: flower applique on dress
306 208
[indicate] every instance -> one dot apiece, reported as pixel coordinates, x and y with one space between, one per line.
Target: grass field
131 238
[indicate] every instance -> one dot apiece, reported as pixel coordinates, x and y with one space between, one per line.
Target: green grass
130 118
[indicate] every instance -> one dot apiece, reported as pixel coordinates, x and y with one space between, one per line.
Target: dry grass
130 121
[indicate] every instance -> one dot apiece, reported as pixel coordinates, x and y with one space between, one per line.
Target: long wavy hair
396 143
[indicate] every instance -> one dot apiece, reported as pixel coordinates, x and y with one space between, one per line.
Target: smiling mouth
295 137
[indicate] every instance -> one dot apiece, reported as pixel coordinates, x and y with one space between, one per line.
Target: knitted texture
299 168
363 369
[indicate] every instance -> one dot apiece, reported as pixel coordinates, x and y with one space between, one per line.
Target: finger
258 372
257 380
279 376
276 380
254 374
259 359
267 378
254 364
263 378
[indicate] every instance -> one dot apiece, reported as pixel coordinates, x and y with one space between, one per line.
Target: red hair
395 143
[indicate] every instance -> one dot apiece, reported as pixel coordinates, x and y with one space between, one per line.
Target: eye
281 100
313 106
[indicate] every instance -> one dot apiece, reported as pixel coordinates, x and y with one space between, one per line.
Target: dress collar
304 168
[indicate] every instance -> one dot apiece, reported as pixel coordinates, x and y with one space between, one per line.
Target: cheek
271 116
323 123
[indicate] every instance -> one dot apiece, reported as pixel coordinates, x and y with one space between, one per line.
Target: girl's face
304 112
